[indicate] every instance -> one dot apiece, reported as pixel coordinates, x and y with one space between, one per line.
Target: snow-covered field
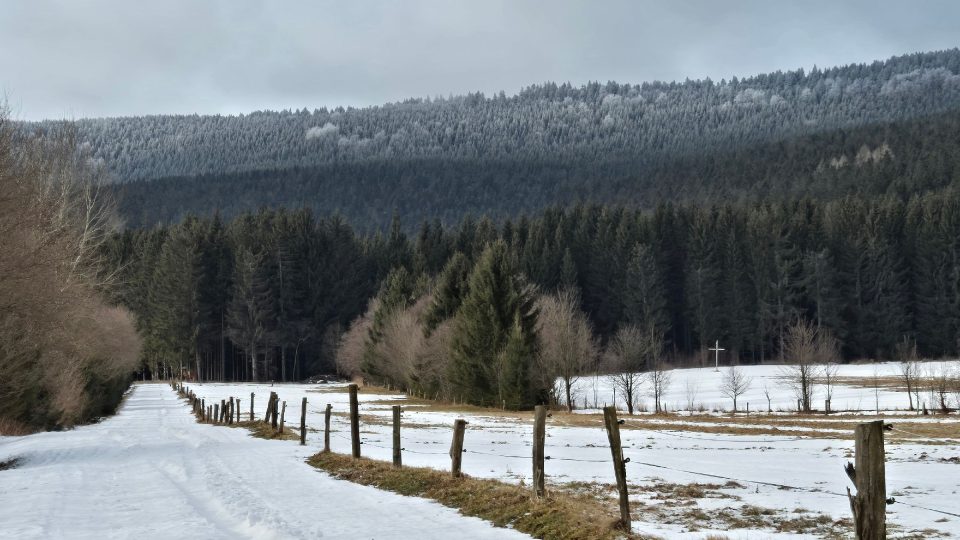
702 386
919 473
153 472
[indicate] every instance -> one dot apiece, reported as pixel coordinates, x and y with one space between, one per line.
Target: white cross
716 349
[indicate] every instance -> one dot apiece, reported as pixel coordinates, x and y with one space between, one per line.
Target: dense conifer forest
773 136
269 294
479 248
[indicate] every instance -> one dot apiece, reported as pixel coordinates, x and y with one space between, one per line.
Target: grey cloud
107 58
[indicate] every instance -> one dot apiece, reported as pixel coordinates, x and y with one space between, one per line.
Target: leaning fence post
269 411
354 422
397 460
619 467
869 505
303 422
283 412
539 440
326 428
456 447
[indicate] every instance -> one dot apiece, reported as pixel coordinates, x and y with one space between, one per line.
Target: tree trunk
253 362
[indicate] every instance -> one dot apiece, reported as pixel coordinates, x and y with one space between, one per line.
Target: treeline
66 355
898 158
550 122
268 295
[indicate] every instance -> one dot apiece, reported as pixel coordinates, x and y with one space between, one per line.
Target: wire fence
632 454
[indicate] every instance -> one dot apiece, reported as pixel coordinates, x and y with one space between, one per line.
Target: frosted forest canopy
861 129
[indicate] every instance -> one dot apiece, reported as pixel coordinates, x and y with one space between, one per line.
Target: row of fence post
867 474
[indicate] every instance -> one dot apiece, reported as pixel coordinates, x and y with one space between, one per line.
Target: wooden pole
326 428
266 414
223 411
869 506
397 460
276 408
251 406
456 447
216 413
203 409
539 441
238 410
619 467
230 412
354 422
283 412
303 422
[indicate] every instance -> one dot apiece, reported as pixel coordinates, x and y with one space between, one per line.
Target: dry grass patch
560 515
262 430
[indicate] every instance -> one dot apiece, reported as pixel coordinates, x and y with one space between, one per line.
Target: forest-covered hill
864 128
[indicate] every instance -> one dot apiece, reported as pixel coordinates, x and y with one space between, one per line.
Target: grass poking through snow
558 516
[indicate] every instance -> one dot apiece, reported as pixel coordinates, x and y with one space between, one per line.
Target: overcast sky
75 59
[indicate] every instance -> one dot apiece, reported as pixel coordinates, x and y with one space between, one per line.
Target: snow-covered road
152 472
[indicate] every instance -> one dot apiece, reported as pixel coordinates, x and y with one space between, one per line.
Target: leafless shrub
353 342
939 386
64 354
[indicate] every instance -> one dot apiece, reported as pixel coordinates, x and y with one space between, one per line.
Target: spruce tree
498 303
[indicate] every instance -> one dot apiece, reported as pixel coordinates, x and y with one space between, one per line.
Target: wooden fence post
397 460
303 422
223 412
456 447
216 413
869 505
230 412
354 422
619 467
266 414
326 428
539 440
238 410
274 410
251 406
826 406
283 412
203 409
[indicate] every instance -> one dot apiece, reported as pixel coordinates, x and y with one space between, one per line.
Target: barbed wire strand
758 441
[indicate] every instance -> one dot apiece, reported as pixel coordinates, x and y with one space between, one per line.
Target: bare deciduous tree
805 348
568 348
691 389
659 375
625 358
735 383
906 353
